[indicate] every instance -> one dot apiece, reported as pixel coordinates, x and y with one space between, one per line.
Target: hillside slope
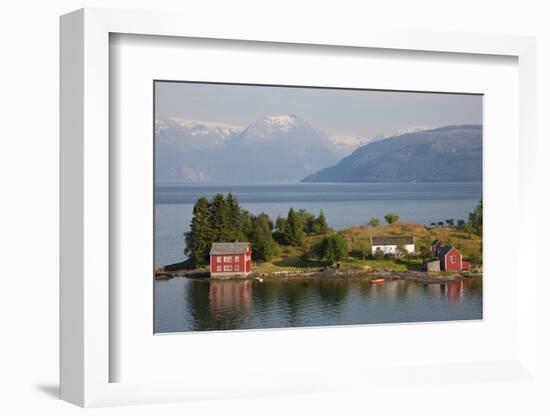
447 154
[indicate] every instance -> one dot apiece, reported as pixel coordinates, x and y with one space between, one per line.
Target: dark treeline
222 219
474 224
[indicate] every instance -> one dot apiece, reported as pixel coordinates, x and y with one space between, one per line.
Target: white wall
390 249
29 207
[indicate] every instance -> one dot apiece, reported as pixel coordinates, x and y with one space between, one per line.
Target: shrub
391 218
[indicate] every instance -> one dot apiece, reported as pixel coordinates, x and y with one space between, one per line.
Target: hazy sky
362 112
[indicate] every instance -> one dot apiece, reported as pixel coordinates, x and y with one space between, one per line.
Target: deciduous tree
373 222
391 218
332 248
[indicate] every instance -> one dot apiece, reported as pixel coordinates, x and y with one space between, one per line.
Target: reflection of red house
450 260
455 290
230 295
229 260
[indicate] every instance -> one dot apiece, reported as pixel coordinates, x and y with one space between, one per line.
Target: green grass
292 258
354 263
396 265
288 264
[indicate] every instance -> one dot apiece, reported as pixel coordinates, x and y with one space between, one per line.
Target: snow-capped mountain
395 133
188 134
275 148
279 148
347 143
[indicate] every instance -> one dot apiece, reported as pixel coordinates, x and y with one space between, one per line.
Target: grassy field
296 258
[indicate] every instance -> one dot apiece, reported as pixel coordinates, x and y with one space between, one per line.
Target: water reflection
198 305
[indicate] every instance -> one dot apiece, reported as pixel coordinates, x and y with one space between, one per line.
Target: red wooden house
450 260
229 260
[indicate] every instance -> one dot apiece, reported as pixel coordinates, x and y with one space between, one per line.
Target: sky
334 111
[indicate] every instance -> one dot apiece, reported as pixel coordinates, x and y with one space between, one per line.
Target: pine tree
280 223
294 233
321 225
199 239
308 221
246 224
233 218
219 219
263 246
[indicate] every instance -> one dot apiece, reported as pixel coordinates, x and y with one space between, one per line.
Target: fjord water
183 304
345 205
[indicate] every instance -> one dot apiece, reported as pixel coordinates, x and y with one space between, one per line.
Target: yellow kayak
377 281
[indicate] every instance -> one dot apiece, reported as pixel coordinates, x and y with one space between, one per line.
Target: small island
303 245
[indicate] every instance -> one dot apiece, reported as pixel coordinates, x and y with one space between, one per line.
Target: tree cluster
474 224
222 219
332 248
292 229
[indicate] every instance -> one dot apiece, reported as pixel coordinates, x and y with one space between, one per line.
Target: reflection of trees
476 286
365 288
197 303
292 295
333 292
265 293
404 290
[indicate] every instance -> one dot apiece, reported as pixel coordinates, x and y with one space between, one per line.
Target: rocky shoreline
415 276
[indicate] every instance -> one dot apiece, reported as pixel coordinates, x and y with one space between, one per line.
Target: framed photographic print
286 206
283 195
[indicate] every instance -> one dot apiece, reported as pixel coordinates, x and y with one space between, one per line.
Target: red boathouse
450 260
230 260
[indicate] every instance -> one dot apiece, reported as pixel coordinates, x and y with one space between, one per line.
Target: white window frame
227 268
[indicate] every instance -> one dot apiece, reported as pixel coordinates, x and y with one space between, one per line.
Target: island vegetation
303 240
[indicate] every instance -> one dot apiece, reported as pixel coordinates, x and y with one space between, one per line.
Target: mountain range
286 148
283 148
447 154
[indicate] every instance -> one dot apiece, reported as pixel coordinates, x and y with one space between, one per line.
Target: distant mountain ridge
445 154
282 148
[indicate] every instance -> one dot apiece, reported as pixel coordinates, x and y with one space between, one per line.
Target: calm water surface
183 304
344 205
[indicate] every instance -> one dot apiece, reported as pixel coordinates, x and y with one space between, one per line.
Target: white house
388 245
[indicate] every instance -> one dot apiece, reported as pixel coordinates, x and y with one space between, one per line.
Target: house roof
392 241
444 250
228 248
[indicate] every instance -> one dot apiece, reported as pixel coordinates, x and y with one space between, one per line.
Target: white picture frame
86 290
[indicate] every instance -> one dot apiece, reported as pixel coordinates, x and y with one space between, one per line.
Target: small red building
450 260
229 260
